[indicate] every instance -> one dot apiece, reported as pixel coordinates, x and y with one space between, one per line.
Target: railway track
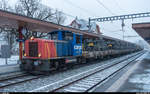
11 75
22 78
88 82
14 80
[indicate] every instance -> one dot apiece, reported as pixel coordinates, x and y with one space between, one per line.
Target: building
84 25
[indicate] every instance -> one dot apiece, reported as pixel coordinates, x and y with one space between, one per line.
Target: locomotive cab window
54 36
67 36
33 49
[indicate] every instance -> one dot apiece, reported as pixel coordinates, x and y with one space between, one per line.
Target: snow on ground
145 56
12 60
148 55
141 80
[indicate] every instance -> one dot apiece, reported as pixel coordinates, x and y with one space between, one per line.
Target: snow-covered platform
10 61
11 65
135 78
139 79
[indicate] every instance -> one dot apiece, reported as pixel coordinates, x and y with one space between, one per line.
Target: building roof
84 25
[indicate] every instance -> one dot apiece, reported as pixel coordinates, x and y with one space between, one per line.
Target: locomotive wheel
84 60
57 65
79 60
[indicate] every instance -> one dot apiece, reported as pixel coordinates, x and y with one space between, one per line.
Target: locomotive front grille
33 49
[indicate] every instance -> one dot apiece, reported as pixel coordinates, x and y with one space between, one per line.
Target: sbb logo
77 47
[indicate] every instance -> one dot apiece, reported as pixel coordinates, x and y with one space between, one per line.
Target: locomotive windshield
33 49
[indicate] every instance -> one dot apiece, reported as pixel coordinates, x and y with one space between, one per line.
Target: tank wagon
65 47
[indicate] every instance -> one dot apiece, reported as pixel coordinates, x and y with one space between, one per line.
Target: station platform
4 69
139 79
134 78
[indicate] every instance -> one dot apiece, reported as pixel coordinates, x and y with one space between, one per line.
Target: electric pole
123 25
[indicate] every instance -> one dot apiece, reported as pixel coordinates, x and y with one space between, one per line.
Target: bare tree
59 17
4 5
27 7
8 34
33 8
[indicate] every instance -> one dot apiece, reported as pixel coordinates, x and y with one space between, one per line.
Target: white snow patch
148 70
143 56
12 60
148 55
134 90
145 87
140 79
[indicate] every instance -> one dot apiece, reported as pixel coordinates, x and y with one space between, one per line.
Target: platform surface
4 69
10 61
139 80
134 78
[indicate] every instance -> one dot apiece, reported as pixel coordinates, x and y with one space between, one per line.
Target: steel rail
112 74
16 80
9 77
69 84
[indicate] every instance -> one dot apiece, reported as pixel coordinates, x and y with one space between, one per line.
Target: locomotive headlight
39 55
32 38
25 54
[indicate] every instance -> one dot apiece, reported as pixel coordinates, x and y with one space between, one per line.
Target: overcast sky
84 9
92 8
